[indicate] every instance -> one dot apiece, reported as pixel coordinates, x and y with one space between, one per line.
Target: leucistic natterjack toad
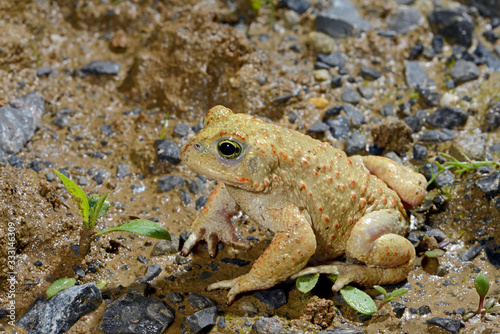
319 203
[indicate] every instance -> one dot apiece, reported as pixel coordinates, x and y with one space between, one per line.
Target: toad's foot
214 225
357 273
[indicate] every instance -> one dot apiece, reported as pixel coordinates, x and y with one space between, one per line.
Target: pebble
448 99
43 71
470 253
235 261
339 127
415 74
370 73
274 297
356 143
437 234
492 120
142 259
447 117
283 98
181 129
170 182
354 115
485 56
341 20
437 44
168 150
135 314
453 24
101 67
59 313
450 324
185 196
291 18
122 170
489 35
202 319
349 95
166 247
174 297
336 59
444 179
416 121
419 152
366 92
404 20
248 308
399 309
464 71
416 50
431 98
198 301
197 186
107 130
336 81
299 6
200 202
319 128
437 136
490 184
153 270
321 75
15 161
319 102
100 175
387 110
472 145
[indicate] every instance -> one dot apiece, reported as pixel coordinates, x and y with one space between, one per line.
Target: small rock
470 253
122 170
492 121
248 308
235 261
415 74
366 92
319 128
490 185
322 75
394 136
454 25
370 73
405 20
299 6
339 127
197 186
274 297
349 95
450 324
101 67
168 150
174 297
464 71
387 110
100 175
437 136
43 71
341 20
437 234
136 314
15 161
59 313
399 309
355 143
336 81
185 196
437 44
107 130
170 182
356 117
201 319
485 56
416 50
416 121
431 98
489 35
166 247
200 202
336 59
419 152
119 42
470 145
199 301
319 102
153 270
181 129
283 98
272 325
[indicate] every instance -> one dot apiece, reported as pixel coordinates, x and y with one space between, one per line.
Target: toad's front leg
292 246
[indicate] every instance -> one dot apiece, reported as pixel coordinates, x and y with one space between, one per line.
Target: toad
320 204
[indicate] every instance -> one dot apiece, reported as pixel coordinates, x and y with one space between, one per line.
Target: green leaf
141 226
358 300
434 253
381 290
307 282
482 285
332 277
101 284
60 285
93 200
396 293
97 210
78 196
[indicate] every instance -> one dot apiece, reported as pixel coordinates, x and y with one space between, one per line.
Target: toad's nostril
197 146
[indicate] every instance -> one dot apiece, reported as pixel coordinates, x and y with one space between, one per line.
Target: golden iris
229 149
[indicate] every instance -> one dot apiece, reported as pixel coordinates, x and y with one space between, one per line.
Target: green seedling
461 166
482 286
60 285
391 296
163 133
94 207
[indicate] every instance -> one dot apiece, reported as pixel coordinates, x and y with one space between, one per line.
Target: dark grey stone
292 117
174 297
339 127
405 20
490 8
336 81
428 52
470 253
354 115
493 253
438 136
419 152
235 261
415 74
43 71
181 129
59 313
199 301
122 170
142 259
202 319
283 98
197 186
366 92
437 234
349 95
355 143
450 324
490 185
166 247
153 270
336 59
447 117
429 169
107 130
168 150
274 297
416 121
416 50
79 271
19 119
399 309
347 329
136 314
464 71
265 325
370 73
387 110
492 120
387 33
185 196
431 98
341 20
459 311
15 161
490 36
200 202
101 67
485 56
299 6
170 182
454 25
100 175
333 111
318 127
437 44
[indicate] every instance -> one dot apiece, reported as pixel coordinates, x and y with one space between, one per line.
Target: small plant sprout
482 286
391 296
461 166
307 282
60 285
94 207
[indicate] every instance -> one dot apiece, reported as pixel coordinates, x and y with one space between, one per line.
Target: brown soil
179 58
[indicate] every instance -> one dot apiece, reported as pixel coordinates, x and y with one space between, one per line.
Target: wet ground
178 59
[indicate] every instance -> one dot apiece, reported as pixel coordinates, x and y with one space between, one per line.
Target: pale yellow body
320 204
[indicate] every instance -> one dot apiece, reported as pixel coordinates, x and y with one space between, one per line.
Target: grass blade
78 196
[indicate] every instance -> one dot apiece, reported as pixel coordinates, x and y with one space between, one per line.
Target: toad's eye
229 149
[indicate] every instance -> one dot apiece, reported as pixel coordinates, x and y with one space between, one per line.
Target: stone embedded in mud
416 121
100 175
415 74
489 8
168 150
299 6
19 119
349 95
272 325
200 202
235 261
438 136
136 314
356 143
336 59
485 56
366 92
197 186
166 247
470 253
170 182
464 71
201 319
101 67
122 170
405 20
339 127
399 309
341 20
60 312
490 185
274 297
153 270
199 302
450 324
454 25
